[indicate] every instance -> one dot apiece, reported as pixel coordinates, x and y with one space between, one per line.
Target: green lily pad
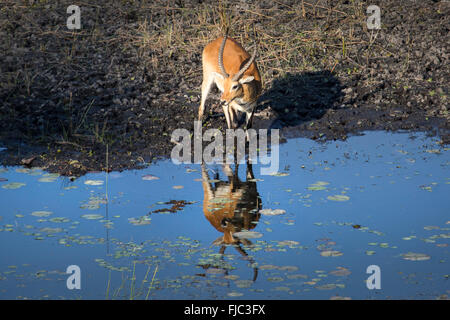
49 177
51 230
297 276
41 213
248 234
279 174
340 272
140 221
288 243
94 182
268 267
329 286
272 212
275 279
234 294
13 185
92 216
59 219
282 288
150 177
338 197
411 256
319 185
331 253
93 203
243 283
288 268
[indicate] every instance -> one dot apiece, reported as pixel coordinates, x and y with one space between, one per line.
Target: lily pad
340 272
94 182
51 230
415 256
13 185
243 283
149 177
41 213
140 221
275 279
49 177
340 298
288 268
282 288
93 203
279 174
268 267
215 271
234 294
59 219
288 243
329 286
319 185
297 276
248 234
272 212
92 216
331 253
338 197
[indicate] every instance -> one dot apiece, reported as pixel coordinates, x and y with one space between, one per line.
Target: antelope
231 207
235 73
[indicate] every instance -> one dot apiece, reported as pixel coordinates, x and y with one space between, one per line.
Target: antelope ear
246 79
218 75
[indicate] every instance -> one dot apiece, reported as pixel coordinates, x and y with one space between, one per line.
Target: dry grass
300 37
284 46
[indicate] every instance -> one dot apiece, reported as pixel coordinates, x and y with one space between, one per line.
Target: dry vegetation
132 73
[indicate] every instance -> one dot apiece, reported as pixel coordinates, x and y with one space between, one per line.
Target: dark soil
132 74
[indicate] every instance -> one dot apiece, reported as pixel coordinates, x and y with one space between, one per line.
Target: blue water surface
376 199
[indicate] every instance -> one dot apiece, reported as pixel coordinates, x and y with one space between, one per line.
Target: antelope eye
234 87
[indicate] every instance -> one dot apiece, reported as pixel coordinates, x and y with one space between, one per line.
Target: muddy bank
132 74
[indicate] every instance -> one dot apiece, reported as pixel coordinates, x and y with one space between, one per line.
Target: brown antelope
235 73
231 207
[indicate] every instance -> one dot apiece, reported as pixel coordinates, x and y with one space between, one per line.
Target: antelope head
233 84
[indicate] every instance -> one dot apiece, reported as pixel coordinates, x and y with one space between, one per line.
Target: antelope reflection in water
232 206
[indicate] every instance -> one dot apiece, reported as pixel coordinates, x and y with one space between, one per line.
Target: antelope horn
222 46
244 68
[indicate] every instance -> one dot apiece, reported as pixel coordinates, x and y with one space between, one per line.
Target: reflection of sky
388 178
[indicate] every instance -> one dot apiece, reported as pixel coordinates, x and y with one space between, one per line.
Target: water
378 199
